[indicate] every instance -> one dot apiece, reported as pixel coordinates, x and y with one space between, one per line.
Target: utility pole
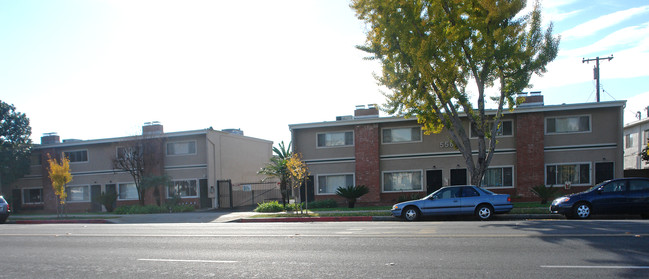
596 69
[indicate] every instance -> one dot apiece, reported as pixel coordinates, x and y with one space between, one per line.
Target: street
430 249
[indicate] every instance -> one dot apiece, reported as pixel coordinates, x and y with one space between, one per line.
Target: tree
431 50
60 176
15 145
136 157
297 170
277 168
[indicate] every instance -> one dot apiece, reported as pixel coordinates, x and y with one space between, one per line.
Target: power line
596 69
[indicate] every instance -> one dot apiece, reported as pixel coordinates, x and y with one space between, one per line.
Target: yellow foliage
297 169
60 176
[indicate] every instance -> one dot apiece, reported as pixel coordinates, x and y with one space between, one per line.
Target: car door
611 198
470 199
638 196
444 202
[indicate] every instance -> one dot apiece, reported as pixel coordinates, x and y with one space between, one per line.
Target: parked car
455 200
4 210
617 196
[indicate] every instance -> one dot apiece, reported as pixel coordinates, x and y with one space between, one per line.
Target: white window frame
317 182
335 132
67 199
590 124
502 187
629 140
179 142
181 180
578 164
119 185
491 123
78 150
31 188
421 135
421 181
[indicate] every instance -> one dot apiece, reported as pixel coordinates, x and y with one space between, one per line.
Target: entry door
604 171
458 177
308 193
206 202
433 180
95 192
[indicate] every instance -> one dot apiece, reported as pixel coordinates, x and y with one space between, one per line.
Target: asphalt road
433 249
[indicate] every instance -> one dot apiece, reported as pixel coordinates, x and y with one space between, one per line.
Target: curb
81 221
307 219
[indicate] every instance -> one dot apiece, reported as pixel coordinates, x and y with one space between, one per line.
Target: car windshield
598 185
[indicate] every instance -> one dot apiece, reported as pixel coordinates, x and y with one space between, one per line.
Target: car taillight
509 199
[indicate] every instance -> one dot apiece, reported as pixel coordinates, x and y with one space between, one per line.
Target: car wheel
484 212
411 213
582 211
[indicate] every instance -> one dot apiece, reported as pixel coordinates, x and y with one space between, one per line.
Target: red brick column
366 142
529 153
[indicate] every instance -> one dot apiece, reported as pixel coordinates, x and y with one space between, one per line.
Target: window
78 193
127 191
402 135
402 181
505 129
34 195
628 140
573 173
498 177
638 185
327 184
615 186
448 193
469 192
76 156
336 139
181 148
573 124
36 159
183 189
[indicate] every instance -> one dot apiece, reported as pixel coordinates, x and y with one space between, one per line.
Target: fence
246 194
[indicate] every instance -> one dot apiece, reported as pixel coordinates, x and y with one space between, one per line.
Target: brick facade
366 142
529 153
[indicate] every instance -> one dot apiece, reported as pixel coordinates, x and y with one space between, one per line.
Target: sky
91 69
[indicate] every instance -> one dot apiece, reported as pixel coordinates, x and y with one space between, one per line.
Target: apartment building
194 160
636 137
568 145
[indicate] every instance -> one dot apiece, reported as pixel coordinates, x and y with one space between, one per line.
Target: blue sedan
455 200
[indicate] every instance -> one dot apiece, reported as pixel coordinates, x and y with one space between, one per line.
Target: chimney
532 99
50 138
152 128
370 112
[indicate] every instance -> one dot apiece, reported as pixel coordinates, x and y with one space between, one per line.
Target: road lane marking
186 261
597 266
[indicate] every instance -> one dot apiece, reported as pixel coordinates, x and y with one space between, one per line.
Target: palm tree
277 168
351 193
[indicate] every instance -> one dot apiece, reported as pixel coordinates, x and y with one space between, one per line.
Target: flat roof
527 109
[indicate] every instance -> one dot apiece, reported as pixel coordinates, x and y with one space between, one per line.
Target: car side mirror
600 190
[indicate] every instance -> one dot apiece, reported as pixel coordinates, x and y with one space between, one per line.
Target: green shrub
271 206
545 193
328 203
107 199
294 206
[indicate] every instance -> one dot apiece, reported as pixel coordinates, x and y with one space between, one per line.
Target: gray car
4 210
455 200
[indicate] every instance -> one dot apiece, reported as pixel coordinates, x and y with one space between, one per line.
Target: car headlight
395 207
560 200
